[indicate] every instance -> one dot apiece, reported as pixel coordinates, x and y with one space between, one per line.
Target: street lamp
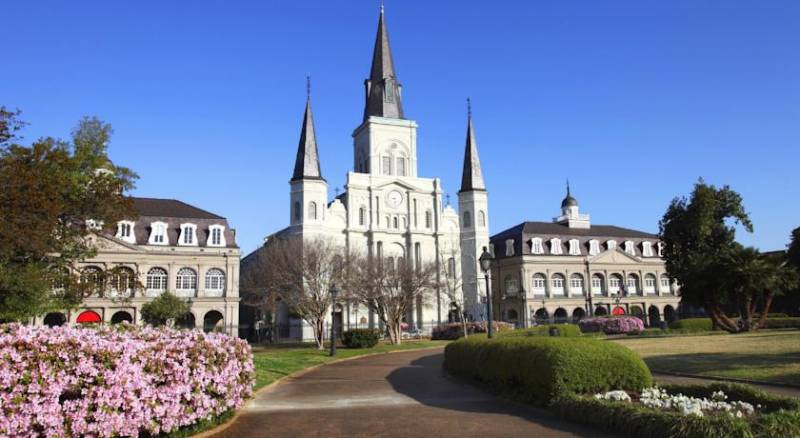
486 263
334 294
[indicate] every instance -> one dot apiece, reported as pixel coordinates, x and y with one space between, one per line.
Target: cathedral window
298 214
387 165
401 166
388 224
451 267
395 222
312 210
574 247
467 219
362 214
536 246
555 246
428 219
647 249
481 218
594 247
388 91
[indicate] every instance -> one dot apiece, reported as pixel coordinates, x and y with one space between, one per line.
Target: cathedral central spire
471 176
382 89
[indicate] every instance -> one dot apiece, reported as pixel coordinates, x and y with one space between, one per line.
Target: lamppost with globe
486 264
334 293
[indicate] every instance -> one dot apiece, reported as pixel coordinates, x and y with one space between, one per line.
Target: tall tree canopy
54 193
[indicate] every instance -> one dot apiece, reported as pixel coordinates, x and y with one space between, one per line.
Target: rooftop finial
568 194
308 85
469 108
381 6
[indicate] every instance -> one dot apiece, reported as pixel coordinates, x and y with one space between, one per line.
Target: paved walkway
390 395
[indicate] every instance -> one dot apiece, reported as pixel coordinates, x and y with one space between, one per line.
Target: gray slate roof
524 232
306 164
382 77
472 175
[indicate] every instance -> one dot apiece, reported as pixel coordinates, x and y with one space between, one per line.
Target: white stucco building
387 209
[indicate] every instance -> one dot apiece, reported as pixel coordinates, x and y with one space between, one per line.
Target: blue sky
630 100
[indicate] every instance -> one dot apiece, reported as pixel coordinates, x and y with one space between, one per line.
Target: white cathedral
387 209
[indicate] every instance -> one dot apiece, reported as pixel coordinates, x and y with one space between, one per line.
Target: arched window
576 284
298 214
401 166
122 281
215 282
451 267
665 282
467 219
362 216
632 284
312 210
511 285
649 283
92 276
614 282
538 284
481 218
156 282
557 283
186 282
597 284
395 222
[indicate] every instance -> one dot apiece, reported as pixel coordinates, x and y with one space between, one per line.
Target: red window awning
89 316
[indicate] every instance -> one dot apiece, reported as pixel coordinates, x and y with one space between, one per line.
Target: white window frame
158 233
631 285
597 285
214 275
611 244
150 281
594 247
557 285
184 234
574 247
126 231
612 287
650 283
630 248
647 249
555 246
221 230
576 284
536 245
509 247
664 279
481 218
182 280
539 284
660 249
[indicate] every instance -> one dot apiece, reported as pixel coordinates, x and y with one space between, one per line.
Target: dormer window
574 247
555 246
536 246
661 249
216 235
158 234
188 235
509 247
611 245
647 249
125 231
630 248
594 247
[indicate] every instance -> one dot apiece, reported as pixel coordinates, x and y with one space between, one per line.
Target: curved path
398 394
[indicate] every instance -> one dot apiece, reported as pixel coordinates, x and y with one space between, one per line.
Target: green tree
54 194
164 309
699 239
793 253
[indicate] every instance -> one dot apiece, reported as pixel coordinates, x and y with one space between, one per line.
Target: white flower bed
658 398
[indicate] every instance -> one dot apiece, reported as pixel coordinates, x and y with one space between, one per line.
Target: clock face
394 199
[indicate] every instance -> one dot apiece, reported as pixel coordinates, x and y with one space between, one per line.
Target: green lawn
275 362
768 356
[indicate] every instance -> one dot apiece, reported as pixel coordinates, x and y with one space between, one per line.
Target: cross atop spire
306 165
472 175
382 89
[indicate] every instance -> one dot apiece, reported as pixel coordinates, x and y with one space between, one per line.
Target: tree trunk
762 320
745 306
463 323
319 333
720 320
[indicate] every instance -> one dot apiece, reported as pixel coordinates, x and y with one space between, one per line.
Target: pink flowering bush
610 326
117 380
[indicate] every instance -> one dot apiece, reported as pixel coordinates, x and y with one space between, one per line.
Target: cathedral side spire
472 175
382 89
306 165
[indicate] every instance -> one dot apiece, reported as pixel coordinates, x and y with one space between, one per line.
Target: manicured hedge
781 322
612 325
361 338
564 330
537 369
692 324
779 417
117 380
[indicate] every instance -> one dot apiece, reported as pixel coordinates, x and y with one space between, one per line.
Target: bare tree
257 287
452 283
301 273
390 288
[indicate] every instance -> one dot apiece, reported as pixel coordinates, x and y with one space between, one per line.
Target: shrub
777 417
361 338
455 330
164 308
537 369
614 325
692 325
117 380
565 330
